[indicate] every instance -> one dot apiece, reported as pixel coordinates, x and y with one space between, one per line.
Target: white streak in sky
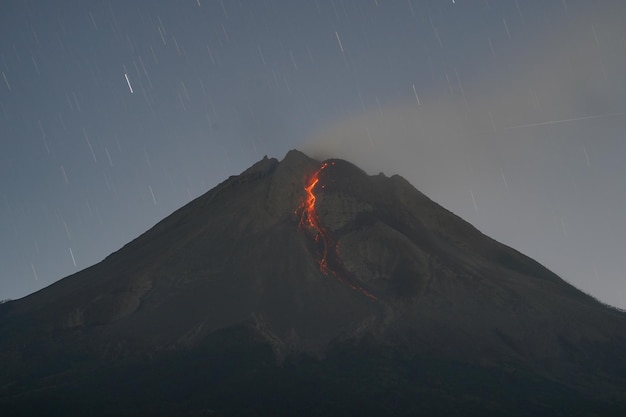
211 55
411 8
152 193
72 254
67 231
93 154
32 266
108 155
416 96
224 9
35 64
67 181
573 119
336 34
7 81
474 201
43 136
128 82
586 156
595 36
504 179
493 52
261 53
293 60
162 36
93 21
506 27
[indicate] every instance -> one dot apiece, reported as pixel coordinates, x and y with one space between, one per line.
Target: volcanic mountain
302 287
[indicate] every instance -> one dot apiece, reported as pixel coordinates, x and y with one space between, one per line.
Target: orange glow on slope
329 262
310 219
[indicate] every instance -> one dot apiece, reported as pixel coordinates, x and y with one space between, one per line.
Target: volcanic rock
357 294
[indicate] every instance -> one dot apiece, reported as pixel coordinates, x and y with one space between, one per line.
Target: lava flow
329 262
310 219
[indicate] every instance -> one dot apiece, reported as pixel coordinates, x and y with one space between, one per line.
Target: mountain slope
306 274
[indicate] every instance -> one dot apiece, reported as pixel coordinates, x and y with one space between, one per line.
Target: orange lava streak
330 262
310 219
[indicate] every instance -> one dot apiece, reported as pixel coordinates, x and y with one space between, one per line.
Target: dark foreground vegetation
234 375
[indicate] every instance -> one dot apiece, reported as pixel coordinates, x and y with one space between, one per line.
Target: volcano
310 288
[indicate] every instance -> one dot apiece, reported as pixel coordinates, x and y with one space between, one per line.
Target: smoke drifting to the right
528 140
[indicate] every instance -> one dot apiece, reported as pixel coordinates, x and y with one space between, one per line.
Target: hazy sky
510 113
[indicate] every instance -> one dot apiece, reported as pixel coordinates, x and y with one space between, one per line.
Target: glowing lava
329 262
310 219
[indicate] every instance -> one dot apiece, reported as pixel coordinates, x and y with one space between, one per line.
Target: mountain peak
304 226
308 255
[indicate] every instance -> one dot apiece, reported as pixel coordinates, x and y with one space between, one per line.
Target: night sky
510 113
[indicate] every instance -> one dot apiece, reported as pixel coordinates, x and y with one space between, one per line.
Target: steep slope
302 257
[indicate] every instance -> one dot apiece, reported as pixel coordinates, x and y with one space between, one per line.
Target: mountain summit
303 287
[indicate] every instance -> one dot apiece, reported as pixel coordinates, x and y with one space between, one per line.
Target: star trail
512 114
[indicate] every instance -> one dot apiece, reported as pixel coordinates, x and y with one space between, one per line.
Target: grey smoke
521 154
